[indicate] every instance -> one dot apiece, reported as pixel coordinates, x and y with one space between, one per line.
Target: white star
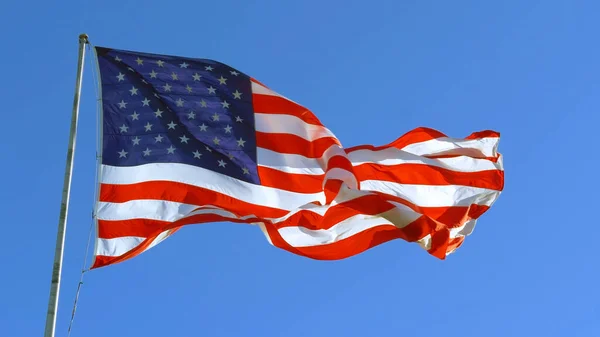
228 129
160 63
156 95
148 126
231 156
174 76
222 163
225 105
234 73
153 74
237 95
172 125
241 142
158 113
208 149
124 128
146 102
238 119
121 77
144 81
222 80
191 115
130 69
122 104
167 87
179 102
184 139
188 88
196 77
203 127
203 104
158 139
197 154
211 90
171 150
118 59
139 61
184 65
208 68
147 152
246 171
216 141
122 154
136 141
134 116
133 91
215 117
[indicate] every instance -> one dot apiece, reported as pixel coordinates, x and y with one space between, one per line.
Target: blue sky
371 71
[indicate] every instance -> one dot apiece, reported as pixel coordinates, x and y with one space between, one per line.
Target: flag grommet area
188 141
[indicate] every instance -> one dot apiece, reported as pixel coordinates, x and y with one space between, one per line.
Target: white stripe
425 242
294 163
144 209
158 239
420 195
117 246
298 236
304 237
464 230
393 156
343 175
259 89
122 245
432 195
160 210
197 176
287 124
448 146
262 90
289 163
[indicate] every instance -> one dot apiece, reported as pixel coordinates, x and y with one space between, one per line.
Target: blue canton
171 109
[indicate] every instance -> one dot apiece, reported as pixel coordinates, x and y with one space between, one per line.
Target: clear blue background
371 70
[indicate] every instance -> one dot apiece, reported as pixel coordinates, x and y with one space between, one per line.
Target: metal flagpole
64 206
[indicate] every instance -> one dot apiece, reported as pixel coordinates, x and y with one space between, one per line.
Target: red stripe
367 205
178 192
292 144
108 229
184 193
276 105
257 81
483 134
455 243
419 135
418 174
359 242
412 174
101 261
339 162
151 228
412 137
294 182
452 216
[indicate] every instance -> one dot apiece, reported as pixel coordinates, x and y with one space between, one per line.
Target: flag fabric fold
188 141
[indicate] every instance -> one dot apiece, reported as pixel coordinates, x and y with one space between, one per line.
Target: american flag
188 141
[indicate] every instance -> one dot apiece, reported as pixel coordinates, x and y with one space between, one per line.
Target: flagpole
64 206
